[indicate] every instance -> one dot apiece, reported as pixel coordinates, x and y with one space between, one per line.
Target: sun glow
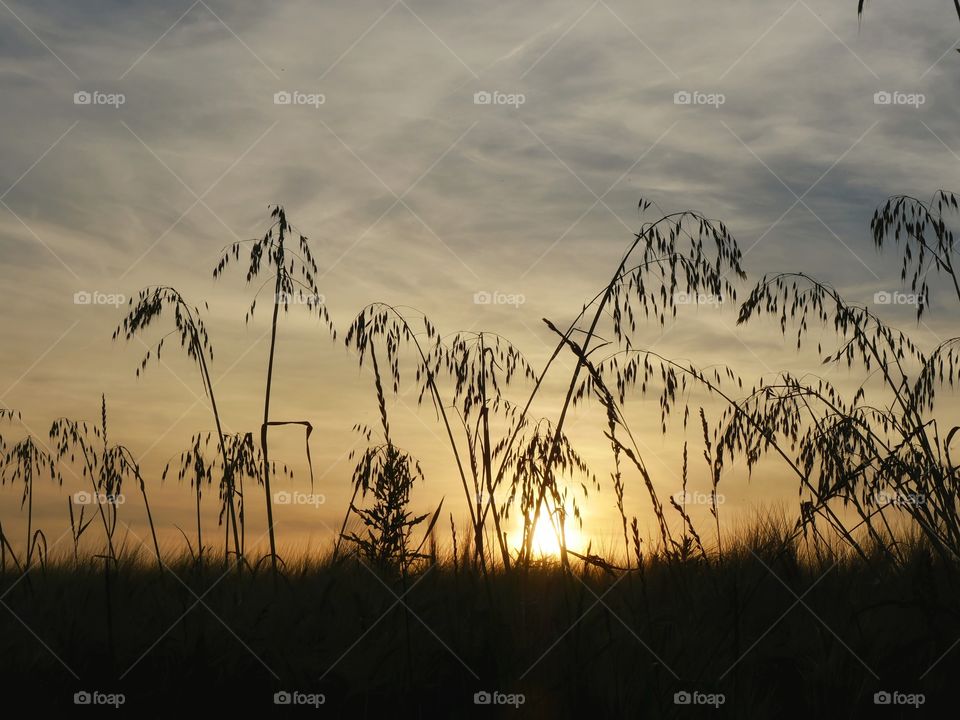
546 542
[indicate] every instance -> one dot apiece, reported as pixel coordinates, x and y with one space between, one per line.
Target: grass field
771 631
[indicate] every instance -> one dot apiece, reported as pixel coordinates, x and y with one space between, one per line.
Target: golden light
545 539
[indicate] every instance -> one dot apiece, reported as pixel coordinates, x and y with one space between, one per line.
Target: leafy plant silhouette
388 474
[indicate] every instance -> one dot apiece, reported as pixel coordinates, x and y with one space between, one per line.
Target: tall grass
194 339
843 451
106 466
880 455
881 451
294 281
24 462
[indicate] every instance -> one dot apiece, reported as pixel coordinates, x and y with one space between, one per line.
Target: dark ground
776 635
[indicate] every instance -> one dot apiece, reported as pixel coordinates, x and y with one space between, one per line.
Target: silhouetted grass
811 617
588 642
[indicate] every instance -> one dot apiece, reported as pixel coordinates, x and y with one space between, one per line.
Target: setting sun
545 540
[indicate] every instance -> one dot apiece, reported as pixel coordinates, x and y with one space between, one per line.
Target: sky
433 152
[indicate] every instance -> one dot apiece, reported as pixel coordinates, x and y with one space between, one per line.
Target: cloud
502 194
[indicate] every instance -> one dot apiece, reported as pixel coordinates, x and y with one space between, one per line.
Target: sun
545 540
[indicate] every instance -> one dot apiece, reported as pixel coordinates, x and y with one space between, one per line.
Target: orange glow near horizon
546 543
